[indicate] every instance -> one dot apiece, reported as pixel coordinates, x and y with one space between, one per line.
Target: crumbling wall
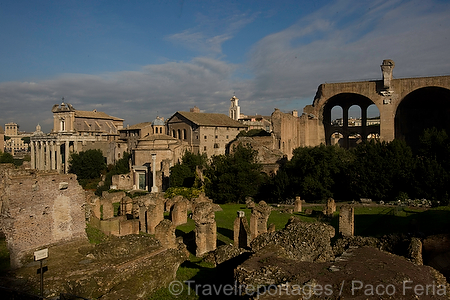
39 209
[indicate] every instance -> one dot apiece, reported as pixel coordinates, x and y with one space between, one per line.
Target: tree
381 170
87 164
316 173
184 174
235 176
6 158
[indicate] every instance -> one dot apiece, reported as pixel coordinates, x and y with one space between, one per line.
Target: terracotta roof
136 126
95 115
208 119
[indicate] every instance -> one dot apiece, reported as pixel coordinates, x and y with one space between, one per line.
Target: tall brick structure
39 209
258 219
347 220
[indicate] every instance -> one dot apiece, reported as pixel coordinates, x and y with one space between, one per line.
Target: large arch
421 109
345 101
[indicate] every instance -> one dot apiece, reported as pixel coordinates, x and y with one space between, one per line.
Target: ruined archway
358 127
421 109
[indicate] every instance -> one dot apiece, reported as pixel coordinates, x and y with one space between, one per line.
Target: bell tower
235 110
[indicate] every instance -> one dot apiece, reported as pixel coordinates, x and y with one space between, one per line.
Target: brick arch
422 108
345 101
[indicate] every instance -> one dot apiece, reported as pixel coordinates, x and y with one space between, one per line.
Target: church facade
75 131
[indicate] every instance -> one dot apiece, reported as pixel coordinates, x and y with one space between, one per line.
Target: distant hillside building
75 131
15 144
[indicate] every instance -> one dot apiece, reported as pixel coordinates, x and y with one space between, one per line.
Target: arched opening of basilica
349 119
422 109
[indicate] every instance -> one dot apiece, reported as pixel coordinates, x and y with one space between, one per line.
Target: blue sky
139 59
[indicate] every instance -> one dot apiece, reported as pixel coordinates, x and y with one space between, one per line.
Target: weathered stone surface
303 241
205 227
178 212
258 219
126 206
165 234
347 220
130 267
224 253
293 279
298 204
329 208
415 251
35 212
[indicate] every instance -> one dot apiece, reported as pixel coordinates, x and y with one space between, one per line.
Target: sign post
40 256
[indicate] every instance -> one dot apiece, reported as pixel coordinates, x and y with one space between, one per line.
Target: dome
158 122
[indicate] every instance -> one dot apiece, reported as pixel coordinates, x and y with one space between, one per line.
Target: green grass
95 236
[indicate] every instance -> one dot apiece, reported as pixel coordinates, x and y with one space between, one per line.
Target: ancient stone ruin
102 215
258 219
39 209
347 220
298 205
241 230
178 212
329 208
151 211
205 227
165 233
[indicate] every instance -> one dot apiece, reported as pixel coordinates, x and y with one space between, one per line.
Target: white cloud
340 42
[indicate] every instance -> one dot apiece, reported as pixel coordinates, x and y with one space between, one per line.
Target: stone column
33 155
330 208
155 214
58 157
165 233
205 228
47 156
178 212
41 155
258 219
66 161
345 125
154 187
52 156
347 220
298 204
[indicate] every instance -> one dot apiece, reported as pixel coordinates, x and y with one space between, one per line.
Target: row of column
46 155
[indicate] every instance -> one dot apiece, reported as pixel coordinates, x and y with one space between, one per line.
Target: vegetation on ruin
254 132
95 235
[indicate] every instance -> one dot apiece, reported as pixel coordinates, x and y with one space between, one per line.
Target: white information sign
41 254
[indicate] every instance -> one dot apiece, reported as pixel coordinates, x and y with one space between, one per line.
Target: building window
217 136
173 133
205 137
179 134
227 137
204 148
216 145
184 134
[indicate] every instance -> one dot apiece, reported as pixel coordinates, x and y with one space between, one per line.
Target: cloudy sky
139 59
